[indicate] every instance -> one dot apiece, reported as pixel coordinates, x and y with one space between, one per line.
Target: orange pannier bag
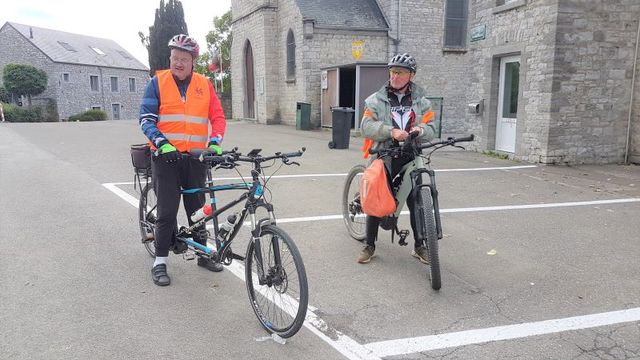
375 195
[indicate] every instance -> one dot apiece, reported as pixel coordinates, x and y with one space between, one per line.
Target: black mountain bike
410 179
274 271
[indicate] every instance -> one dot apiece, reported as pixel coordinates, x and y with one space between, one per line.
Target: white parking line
355 351
481 208
462 338
342 343
345 174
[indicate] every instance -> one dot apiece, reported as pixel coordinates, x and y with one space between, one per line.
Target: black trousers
168 179
373 222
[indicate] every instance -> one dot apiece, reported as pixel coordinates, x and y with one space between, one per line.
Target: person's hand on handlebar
399 135
168 153
416 129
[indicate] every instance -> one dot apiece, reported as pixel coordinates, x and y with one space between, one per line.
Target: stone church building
543 81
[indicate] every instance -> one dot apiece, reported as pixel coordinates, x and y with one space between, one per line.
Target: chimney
30 33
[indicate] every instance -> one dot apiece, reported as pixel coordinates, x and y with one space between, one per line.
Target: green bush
89 115
13 113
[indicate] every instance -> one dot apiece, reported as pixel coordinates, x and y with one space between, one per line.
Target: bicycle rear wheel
430 235
147 215
280 297
354 218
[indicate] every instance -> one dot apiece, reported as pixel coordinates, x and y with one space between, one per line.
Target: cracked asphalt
76 280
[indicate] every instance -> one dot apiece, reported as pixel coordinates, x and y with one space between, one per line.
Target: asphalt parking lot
538 262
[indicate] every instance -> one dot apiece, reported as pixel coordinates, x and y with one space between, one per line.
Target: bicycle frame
253 201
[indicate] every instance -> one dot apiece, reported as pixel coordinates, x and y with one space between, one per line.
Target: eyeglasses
398 72
182 61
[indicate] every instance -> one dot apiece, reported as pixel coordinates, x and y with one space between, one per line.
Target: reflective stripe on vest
184 123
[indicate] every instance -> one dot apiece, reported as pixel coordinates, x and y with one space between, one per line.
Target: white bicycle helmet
186 43
404 61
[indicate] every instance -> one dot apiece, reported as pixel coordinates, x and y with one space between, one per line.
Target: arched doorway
249 85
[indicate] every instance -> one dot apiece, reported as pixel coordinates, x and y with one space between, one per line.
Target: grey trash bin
341 118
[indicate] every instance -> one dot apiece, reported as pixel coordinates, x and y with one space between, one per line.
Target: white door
508 104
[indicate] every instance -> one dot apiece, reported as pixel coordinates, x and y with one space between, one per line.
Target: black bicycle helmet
186 43
404 61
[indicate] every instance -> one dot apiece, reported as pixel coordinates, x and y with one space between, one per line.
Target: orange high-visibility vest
184 123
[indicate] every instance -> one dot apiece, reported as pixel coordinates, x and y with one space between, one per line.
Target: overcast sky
118 20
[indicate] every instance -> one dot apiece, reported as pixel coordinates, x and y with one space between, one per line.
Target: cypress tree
169 21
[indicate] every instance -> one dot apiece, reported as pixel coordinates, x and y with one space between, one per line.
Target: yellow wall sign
357 49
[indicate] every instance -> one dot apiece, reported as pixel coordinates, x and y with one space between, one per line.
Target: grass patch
496 154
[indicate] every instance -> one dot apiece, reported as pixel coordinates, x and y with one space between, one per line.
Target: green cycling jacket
377 121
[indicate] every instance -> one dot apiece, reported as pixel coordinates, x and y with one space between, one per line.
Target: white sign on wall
323 80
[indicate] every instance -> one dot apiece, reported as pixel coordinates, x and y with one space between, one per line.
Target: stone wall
18 50
227 106
332 47
634 146
442 72
251 21
527 30
592 85
76 95
576 61
288 91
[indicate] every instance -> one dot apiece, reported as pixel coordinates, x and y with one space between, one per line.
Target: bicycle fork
264 278
415 175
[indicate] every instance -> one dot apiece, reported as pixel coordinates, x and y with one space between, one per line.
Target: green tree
24 80
169 21
218 53
5 97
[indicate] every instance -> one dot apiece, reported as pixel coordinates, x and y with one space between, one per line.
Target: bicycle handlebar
259 159
409 143
229 158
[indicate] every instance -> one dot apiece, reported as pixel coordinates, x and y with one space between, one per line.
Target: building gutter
633 80
349 28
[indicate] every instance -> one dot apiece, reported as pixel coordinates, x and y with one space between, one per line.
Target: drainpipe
633 80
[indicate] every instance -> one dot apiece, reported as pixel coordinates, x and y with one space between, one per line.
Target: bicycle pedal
403 236
188 255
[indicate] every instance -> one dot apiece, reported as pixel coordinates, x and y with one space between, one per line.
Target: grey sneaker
367 254
421 253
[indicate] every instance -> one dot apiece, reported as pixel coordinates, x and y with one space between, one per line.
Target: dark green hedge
89 115
14 113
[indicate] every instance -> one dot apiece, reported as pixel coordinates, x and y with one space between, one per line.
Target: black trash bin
303 116
341 118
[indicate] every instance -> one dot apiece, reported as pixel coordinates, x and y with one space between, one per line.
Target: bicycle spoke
281 302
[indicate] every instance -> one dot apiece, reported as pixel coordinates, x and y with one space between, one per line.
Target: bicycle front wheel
276 282
430 235
352 214
147 214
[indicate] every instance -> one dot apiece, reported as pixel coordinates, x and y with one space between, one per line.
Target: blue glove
169 153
